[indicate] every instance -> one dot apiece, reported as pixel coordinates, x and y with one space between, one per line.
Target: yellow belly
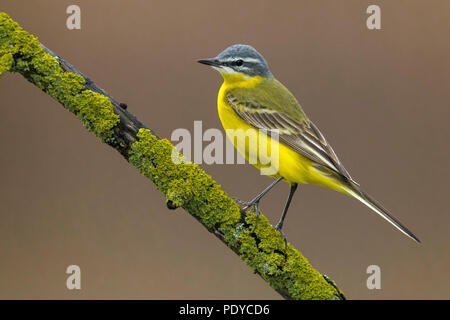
292 166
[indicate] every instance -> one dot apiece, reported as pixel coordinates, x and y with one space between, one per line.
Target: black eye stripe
238 62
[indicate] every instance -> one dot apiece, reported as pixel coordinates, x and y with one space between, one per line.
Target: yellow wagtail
251 98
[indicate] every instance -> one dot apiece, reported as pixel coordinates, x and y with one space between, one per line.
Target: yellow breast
291 165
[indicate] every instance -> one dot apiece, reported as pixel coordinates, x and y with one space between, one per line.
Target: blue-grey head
240 58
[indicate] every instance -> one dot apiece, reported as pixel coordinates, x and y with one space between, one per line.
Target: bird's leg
283 215
254 203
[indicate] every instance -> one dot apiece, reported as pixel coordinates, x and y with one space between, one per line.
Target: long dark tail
356 191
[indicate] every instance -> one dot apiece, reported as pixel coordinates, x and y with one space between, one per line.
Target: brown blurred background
381 98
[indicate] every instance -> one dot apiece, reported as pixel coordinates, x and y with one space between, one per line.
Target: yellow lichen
20 52
186 185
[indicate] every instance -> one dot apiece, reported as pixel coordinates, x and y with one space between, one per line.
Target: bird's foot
239 201
252 205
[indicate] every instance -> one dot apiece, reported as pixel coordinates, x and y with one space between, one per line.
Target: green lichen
183 183
20 52
6 61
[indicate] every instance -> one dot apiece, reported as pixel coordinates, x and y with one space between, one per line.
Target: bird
251 98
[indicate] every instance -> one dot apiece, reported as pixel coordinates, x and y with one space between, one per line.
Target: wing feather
302 136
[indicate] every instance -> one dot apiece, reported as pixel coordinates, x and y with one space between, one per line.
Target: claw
255 202
239 201
253 206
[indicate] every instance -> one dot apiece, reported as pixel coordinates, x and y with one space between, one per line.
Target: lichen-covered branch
183 183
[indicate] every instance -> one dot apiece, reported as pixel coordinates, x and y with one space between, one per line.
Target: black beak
209 62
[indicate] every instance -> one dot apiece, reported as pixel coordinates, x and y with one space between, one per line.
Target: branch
183 183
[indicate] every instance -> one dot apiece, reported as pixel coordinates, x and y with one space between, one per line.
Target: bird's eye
239 62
